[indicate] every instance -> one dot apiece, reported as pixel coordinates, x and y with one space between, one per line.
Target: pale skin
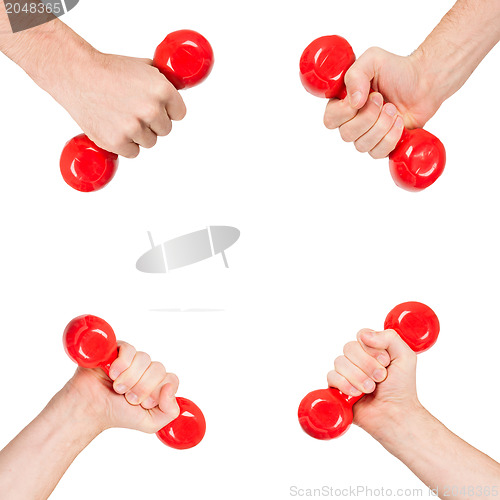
139 394
381 366
414 87
121 103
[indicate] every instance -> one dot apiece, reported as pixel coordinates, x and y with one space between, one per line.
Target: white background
328 245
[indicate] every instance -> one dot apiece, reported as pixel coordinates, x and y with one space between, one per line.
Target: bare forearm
442 460
5 27
47 52
459 43
32 464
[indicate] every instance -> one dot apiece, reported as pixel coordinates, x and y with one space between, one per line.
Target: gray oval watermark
26 14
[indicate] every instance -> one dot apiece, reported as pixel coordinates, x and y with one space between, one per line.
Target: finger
388 340
145 138
126 354
154 398
380 355
154 375
127 150
120 144
390 141
133 373
342 384
168 402
354 375
337 113
359 76
355 353
172 100
161 125
364 120
167 410
379 130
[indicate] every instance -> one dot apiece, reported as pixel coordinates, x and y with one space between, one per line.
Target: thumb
168 408
358 78
387 340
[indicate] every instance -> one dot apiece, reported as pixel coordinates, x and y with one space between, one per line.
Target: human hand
383 367
120 102
138 394
364 119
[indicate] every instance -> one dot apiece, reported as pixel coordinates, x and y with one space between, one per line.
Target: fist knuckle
150 112
131 128
328 122
144 357
117 141
125 346
360 146
168 128
173 379
376 155
163 89
349 347
131 152
181 114
374 51
158 367
339 360
151 142
346 135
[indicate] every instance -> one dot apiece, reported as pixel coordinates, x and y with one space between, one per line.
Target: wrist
435 80
73 417
402 427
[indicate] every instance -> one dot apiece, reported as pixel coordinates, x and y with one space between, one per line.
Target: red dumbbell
91 343
185 58
327 413
419 157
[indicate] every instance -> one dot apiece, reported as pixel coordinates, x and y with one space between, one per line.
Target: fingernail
390 109
379 374
150 403
382 359
377 99
368 385
355 98
132 398
399 122
121 389
113 374
355 392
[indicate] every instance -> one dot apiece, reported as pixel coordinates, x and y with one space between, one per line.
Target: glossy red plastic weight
91 343
85 166
419 157
327 413
186 59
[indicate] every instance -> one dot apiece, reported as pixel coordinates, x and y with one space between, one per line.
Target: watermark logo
188 249
26 14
